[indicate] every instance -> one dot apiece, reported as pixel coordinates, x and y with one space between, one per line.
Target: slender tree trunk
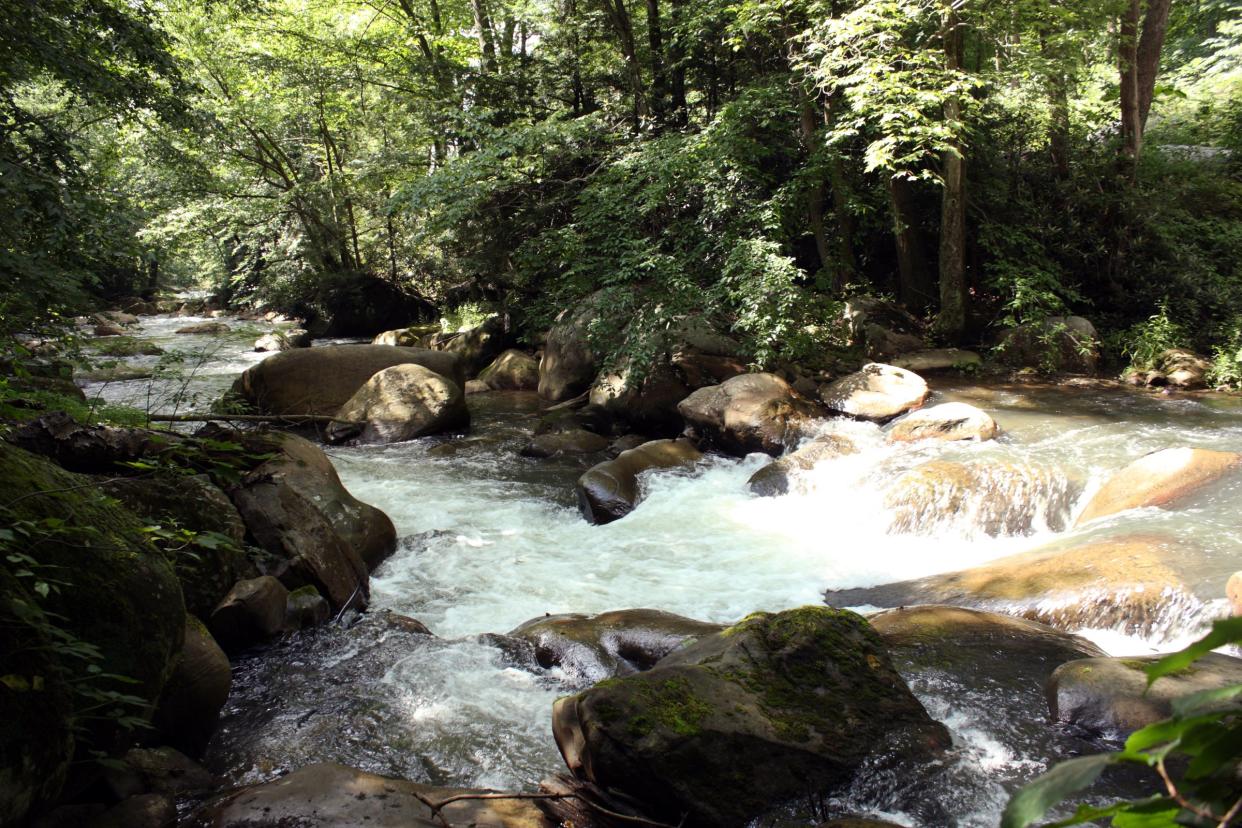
659 76
815 196
952 318
487 41
1127 65
619 16
1150 46
914 284
677 67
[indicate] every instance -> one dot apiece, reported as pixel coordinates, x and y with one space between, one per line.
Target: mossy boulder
114 592
610 490
1110 697
589 648
740 722
751 412
321 380
215 559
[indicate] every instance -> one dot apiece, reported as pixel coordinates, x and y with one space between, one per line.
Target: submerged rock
735 724
575 441
610 490
512 371
947 422
319 381
401 403
590 648
777 478
1120 582
877 393
1162 478
752 412
330 795
995 498
1110 696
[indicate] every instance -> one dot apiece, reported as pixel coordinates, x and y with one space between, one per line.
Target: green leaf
1205 700
1035 798
1225 631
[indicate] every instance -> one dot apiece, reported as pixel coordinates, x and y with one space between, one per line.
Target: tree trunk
815 196
619 16
951 321
1150 45
487 42
659 77
1127 65
677 68
914 284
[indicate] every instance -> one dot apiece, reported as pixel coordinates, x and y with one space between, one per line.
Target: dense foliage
365 164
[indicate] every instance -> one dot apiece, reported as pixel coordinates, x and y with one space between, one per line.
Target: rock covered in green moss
739 722
115 594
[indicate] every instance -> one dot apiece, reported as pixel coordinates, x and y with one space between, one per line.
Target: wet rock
610 490
577 441
1162 478
590 648
1233 591
296 508
306 608
1110 696
204 328
736 723
589 418
1120 582
779 476
214 560
330 795
700 370
947 422
512 371
196 691
401 403
320 380
476 387
127 346
649 406
253 611
121 317
142 811
161 770
108 329
752 412
626 442
857 822
1058 343
404 623
116 593
994 498
82 448
882 328
283 340
1183 368
568 365
877 393
938 359
479 346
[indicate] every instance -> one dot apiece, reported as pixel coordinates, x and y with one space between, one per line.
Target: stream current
490 539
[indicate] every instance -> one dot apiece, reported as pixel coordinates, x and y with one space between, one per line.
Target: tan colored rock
751 412
937 359
1233 591
947 422
609 491
321 380
109 329
400 403
204 328
329 796
476 387
1059 343
1184 369
1161 478
877 393
513 370
1120 582
778 477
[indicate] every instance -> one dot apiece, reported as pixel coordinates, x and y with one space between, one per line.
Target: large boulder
877 393
479 346
253 611
283 340
197 690
1162 478
115 601
737 723
569 365
1121 582
752 412
213 559
590 648
512 371
401 403
610 490
329 795
319 381
1058 343
946 422
993 498
882 328
779 477
1183 369
1110 697
649 405
295 507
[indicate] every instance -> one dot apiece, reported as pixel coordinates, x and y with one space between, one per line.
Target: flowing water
490 539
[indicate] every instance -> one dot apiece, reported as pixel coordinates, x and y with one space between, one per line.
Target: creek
490 539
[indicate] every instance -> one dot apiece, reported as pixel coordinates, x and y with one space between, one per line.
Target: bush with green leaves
1195 756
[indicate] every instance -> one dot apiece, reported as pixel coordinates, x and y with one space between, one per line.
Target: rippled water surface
491 539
